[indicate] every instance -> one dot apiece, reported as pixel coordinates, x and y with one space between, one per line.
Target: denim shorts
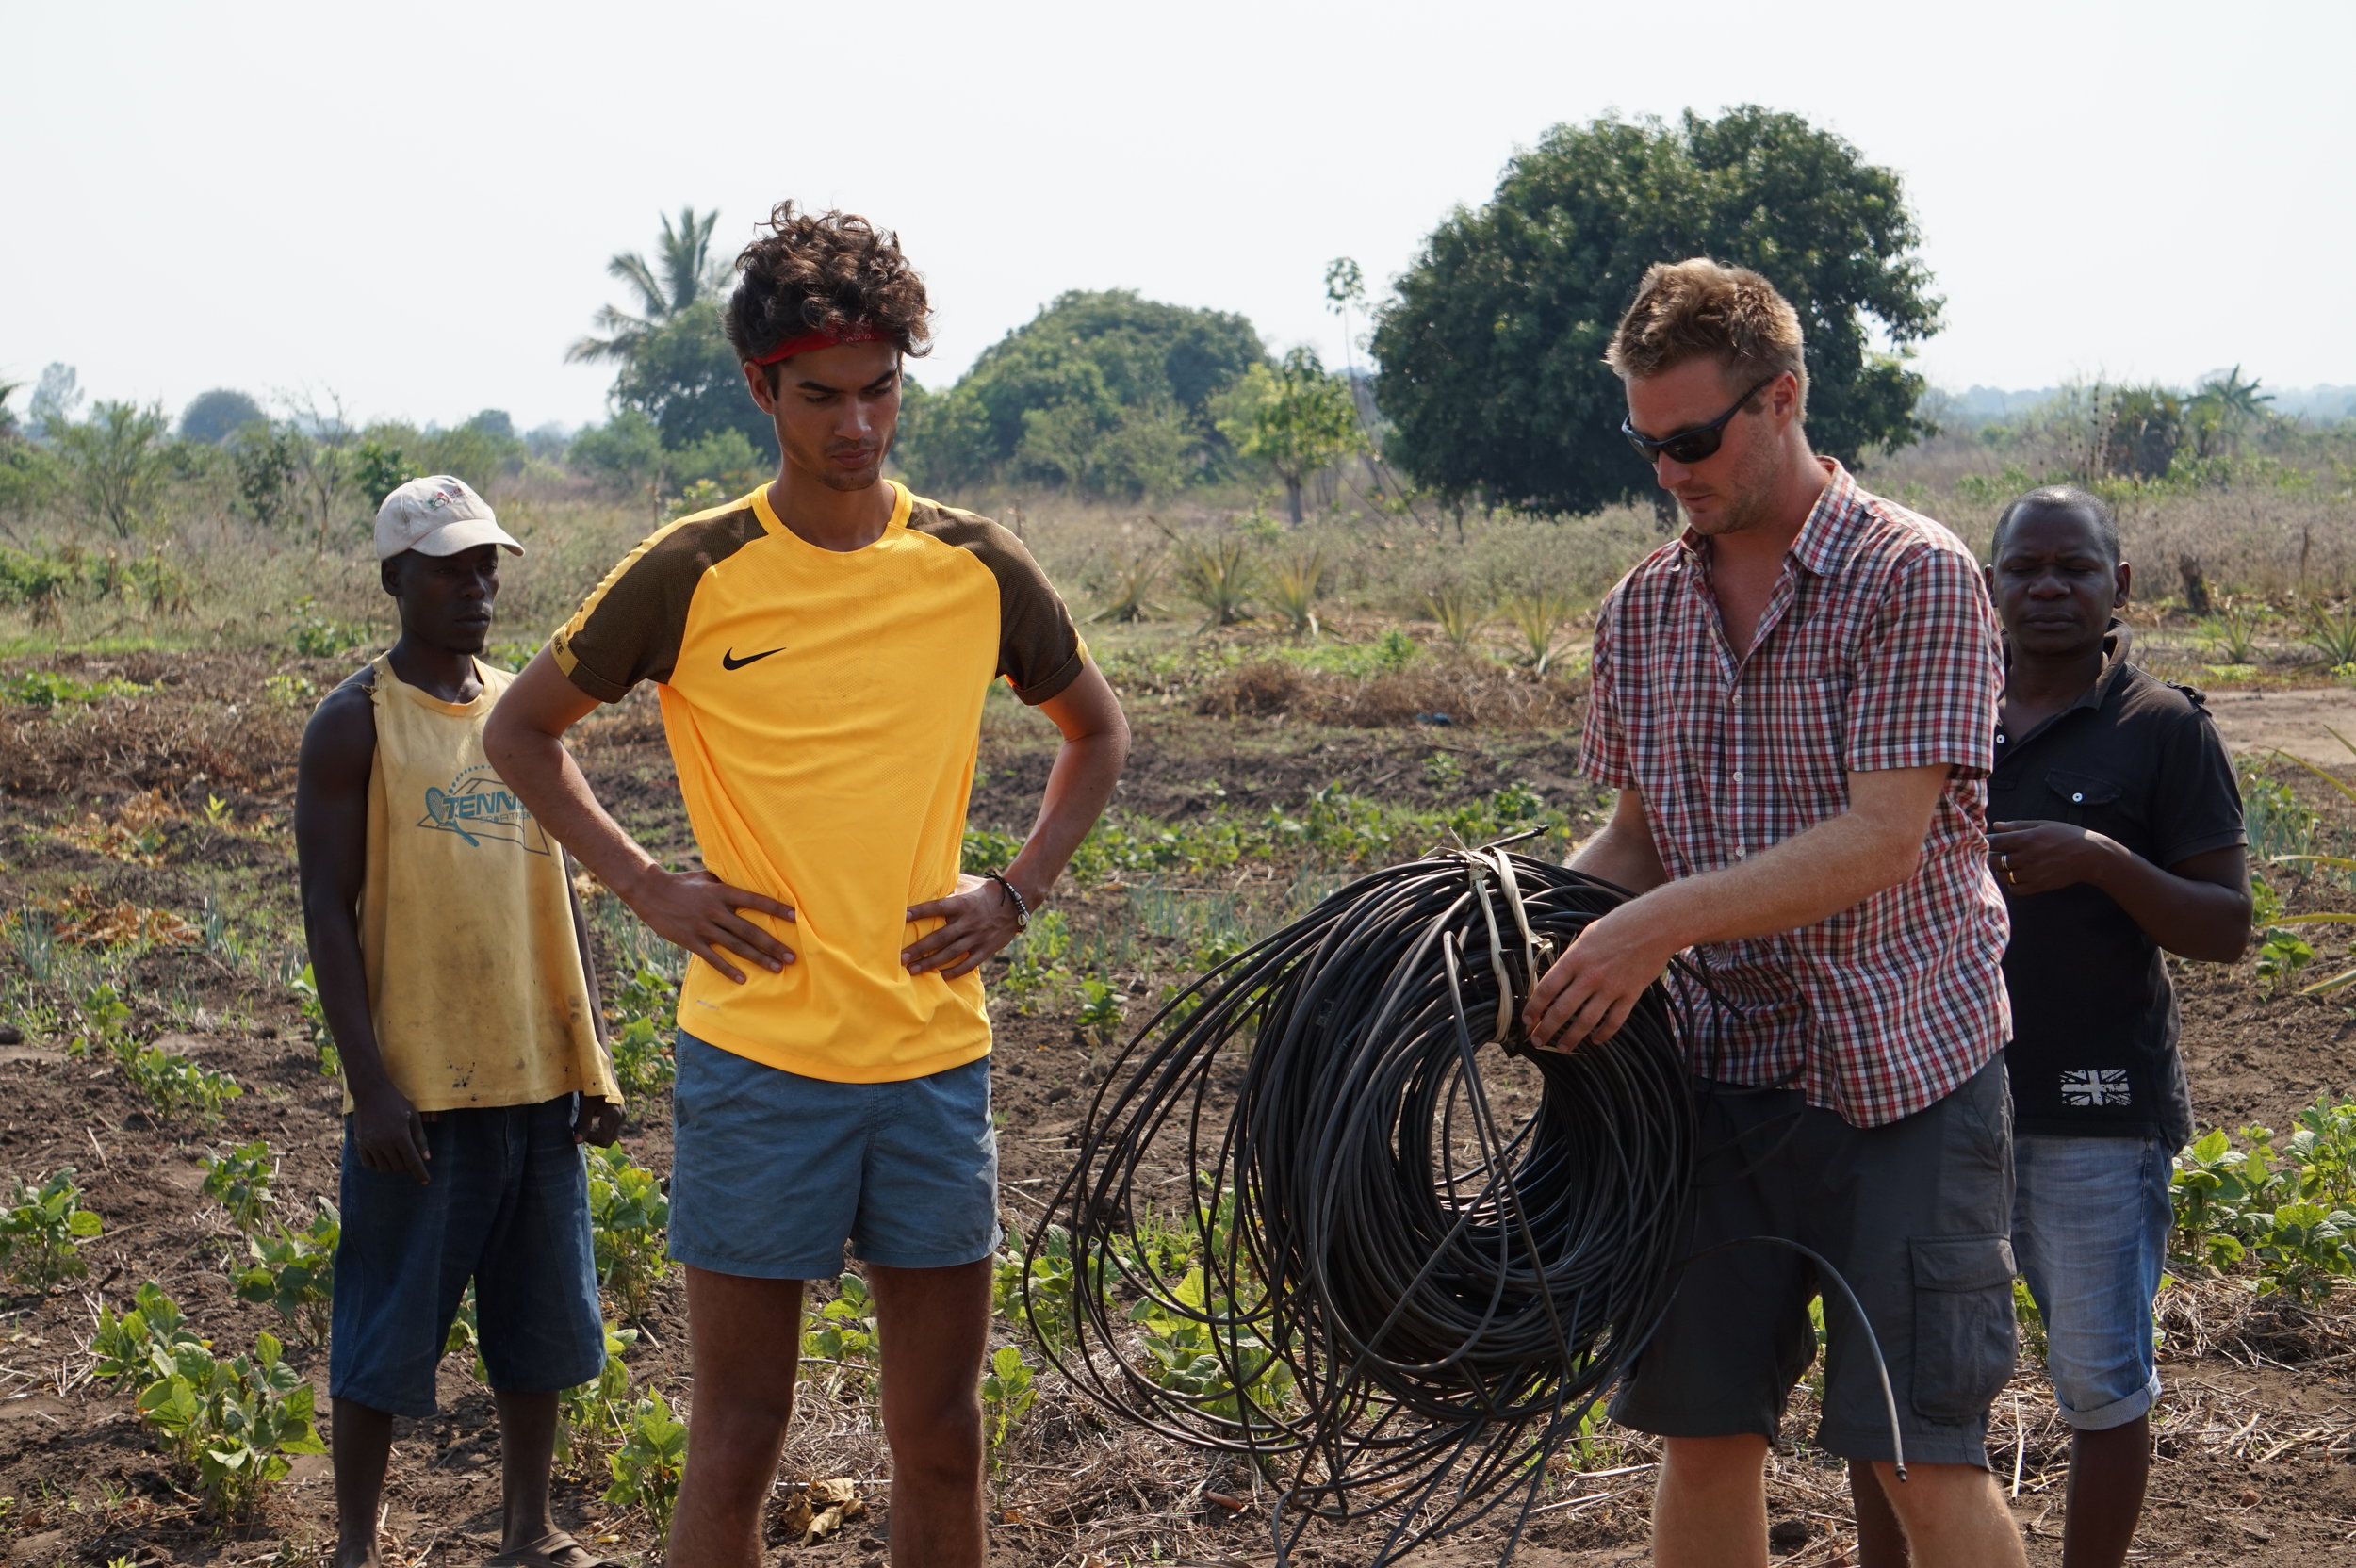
2090 1225
1914 1213
507 1206
772 1172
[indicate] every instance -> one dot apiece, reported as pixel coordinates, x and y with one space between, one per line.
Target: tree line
1491 382
1486 383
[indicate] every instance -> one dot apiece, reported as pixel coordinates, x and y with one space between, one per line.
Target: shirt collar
1828 538
2117 642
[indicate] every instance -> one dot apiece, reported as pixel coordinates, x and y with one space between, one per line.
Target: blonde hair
1695 309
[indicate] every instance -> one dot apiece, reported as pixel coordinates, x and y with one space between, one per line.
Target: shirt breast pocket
2085 799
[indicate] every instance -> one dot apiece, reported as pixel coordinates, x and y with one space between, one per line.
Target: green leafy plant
124 1344
316 637
1039 954
306 990
647 1463
1009 1391
48 689
1050 1278
178 1089
240 1180
2280 955
642 1010
627 1216
2302 1249
293 1272
39 1229
1393 651
843 1331
1197 1352
593 1409
1100 1010
106 1023
231 1421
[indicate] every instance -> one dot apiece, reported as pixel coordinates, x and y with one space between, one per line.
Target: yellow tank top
465 922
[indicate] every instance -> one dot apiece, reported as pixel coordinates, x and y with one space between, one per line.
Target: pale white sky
411 205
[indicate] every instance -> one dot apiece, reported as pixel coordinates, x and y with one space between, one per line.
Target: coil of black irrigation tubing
1390 1297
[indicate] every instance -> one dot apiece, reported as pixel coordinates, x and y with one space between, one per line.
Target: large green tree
1491 351
1105 392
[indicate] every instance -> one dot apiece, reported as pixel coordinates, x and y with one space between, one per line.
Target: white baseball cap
437 515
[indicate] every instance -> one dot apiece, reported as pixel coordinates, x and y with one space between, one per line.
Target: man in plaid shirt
1795 702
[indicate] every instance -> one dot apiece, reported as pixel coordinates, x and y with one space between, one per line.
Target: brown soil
2254 1454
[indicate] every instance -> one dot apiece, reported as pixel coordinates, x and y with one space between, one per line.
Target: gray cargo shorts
1916 1216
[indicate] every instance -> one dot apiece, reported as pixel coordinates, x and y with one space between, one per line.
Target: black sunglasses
1698 444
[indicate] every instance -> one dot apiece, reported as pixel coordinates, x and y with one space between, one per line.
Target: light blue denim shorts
2090 1221
772 1172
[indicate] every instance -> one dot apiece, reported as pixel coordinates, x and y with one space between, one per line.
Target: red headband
808 341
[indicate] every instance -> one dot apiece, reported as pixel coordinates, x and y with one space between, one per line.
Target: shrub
39 1229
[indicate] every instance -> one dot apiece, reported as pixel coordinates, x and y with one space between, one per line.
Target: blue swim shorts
507 1207
772 1172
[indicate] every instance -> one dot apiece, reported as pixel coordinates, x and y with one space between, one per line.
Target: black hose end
1900 1469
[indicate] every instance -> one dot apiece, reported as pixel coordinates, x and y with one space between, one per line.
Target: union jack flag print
2096 1086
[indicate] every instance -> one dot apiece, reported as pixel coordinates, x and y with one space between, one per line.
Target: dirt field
2255 1433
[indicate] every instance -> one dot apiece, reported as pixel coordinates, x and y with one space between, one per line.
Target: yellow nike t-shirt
823 710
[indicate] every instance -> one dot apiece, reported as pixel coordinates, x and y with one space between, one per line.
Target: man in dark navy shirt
2115 831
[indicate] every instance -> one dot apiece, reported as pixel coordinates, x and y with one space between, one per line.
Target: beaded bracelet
1022 910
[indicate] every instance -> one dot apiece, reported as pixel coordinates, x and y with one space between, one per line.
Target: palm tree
681 274
2226 407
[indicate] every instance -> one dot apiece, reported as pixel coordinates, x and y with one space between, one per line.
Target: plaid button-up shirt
1878 649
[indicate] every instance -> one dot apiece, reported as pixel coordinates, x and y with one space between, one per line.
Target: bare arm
1623 853
2198 908
524 740
599 1119
1841 861
332 857
978 918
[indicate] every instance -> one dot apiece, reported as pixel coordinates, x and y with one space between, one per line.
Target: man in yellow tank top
454 972
822 647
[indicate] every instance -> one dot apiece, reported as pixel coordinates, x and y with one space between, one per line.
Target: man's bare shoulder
343 728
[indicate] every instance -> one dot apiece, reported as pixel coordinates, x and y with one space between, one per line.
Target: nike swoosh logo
730 662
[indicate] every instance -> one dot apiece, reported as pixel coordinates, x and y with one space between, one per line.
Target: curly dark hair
829 273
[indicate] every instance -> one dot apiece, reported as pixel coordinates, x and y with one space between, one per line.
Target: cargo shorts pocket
1963 1329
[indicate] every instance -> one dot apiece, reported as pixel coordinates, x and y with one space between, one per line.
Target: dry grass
1452 691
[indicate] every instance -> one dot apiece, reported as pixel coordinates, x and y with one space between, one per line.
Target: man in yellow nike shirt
822 647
